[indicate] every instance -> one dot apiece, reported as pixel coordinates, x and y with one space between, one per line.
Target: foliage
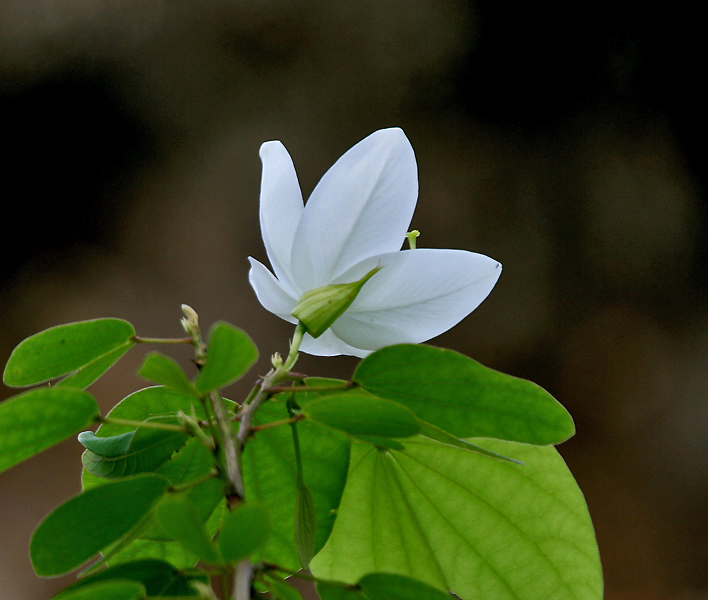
425 473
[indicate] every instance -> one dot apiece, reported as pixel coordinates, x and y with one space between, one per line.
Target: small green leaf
106 590
36 420
85 524
305 524
148 449
178 517
159 578
60 350
161 369
358 413
244 532
230 354
463 397
389 586
107 447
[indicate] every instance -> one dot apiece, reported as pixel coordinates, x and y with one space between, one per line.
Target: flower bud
317 309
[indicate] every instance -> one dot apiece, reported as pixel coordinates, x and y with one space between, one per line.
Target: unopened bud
319 308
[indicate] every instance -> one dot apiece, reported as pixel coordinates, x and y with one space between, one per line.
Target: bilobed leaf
178 517
460 521
358 413
230 354
38 419
60 350
463 397
85 524
270 477
106 590
244 532
162 370
158 577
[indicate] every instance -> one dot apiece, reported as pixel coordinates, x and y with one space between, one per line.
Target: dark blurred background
565 142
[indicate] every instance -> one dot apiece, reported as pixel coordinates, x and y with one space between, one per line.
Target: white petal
270 292
417 295
281 210
329 344
361 207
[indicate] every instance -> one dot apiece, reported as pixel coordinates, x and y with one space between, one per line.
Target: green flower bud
319 308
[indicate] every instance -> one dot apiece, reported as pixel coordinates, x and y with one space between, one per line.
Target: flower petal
281 210
361 207
270 292
329 344
417 295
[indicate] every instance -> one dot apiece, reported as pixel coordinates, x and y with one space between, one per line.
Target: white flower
355 220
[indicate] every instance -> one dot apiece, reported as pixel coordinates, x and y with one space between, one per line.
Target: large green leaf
460 521
231 353
358 413
38 419
463 397
158 577
270 476
60 350
85 524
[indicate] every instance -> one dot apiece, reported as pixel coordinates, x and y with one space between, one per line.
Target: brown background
566 145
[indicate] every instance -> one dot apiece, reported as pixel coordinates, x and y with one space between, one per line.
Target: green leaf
85 524
305 524
460 521
231 353
161 369
358 413
106 590
65 348
147 450
38 419
90 372
244 532
463 397
158 577
270 476
108 447
389 586
178 517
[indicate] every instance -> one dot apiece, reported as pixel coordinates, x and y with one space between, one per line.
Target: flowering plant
424 474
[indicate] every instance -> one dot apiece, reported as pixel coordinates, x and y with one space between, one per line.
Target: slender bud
319 308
